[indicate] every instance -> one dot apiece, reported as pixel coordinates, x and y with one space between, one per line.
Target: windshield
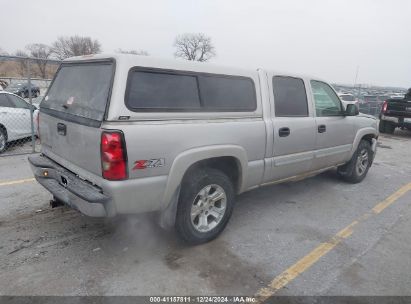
81 89
15 85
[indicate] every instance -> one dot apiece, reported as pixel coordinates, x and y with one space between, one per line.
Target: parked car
370 99
22 89
397 96
348 98
395 113
15 119
36 101
131 134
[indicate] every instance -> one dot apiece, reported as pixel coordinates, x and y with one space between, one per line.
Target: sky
330 39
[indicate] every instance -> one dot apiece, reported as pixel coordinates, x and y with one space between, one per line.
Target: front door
335 131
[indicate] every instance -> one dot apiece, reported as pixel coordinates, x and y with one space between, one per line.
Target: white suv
15 119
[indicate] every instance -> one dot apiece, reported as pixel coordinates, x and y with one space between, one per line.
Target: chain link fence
23 83
371 108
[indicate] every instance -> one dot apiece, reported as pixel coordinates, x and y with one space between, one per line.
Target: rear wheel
389 127
386 127
381 126
357 168
3 140
205 205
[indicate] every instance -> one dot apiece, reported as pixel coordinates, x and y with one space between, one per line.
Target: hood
367 115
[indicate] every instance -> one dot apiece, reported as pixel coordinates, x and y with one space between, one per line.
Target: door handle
284 132
322 128
61 129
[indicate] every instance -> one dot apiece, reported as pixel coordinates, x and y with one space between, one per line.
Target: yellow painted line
15 182
311 258
391 199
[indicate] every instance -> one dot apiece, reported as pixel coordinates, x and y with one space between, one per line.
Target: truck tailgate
75 143
400 108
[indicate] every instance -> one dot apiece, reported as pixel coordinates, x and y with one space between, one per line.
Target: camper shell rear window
80 89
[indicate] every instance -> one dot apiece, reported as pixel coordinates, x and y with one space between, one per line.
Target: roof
180 64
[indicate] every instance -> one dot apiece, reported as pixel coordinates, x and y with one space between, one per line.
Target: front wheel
357 168
205 205
3 140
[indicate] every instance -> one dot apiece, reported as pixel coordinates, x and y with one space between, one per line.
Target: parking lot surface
318 236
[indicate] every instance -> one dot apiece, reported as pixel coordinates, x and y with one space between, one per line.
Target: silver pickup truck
126 134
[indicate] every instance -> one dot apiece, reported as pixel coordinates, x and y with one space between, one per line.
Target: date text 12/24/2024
203 299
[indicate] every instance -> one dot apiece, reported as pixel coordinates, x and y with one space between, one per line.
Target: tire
381 126
389 127
357 168
3 140
199 218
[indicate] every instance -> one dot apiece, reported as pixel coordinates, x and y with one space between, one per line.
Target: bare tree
41 52
65 47
22 62
133 52
4 53
194 46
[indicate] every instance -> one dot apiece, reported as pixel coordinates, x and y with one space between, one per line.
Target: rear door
335 131
72 111
294 128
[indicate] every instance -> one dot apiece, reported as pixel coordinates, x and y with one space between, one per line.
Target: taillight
113 156
384 106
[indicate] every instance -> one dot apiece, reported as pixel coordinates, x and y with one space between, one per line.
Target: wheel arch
231 159
3 128
366 133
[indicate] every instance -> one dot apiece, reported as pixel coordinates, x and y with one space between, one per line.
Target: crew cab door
294 127
335 131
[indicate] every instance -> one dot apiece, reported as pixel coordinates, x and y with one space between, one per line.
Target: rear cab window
80 92
157 90
290 97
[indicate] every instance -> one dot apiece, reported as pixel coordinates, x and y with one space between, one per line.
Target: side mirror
352 110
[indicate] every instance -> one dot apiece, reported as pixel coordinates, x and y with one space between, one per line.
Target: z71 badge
151 163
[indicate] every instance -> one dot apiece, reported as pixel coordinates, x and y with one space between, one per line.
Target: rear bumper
69 188
389 118
399 121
